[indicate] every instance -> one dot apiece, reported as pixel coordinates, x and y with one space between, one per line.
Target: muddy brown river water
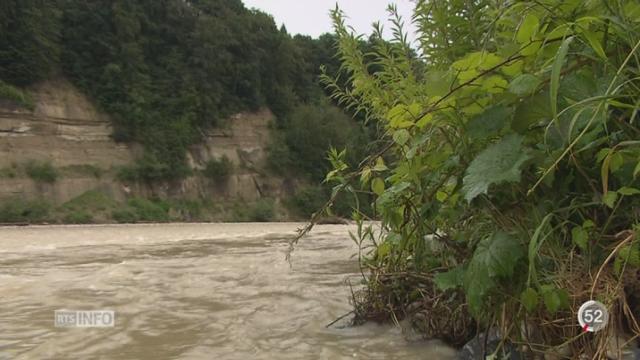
187 291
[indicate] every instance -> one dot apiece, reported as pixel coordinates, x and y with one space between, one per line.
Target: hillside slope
65 132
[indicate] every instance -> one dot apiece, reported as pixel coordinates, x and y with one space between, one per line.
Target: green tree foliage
163 69
510 146
29 40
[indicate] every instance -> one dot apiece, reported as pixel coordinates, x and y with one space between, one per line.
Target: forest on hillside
165 70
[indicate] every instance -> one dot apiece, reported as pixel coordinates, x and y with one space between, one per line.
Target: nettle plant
509 159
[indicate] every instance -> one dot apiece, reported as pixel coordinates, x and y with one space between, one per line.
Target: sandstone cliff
67 131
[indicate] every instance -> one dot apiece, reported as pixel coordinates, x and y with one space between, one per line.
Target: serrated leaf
580 237
496 164
451 279
401 136
529 299
495 257
528 28
610 198
377 186
524 85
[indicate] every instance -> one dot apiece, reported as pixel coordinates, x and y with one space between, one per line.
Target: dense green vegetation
41 171
165 70
218 170
507 184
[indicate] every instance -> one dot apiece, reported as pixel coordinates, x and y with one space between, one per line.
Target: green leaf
496 164
495 257
636 171
401 136
531 111
627 191
438 82
595 43
554 299
632 11
610 198
555 74
602 154
524 85
377 186
529 299
528 29
380 166
384 249
580 237
451 279
617 160
489 122
494 84
628 256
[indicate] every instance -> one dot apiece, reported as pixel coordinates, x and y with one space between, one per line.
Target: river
188 291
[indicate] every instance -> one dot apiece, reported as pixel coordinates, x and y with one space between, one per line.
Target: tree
29 40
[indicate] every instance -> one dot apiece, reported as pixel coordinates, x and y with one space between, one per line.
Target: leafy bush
218 170
510 178
308 200
148 169
78 217
20 210
309 132
124 216
262 211
188 210
41 171
9 172
149 210
16 95
92 200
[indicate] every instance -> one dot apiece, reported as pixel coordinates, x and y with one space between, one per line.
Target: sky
311 17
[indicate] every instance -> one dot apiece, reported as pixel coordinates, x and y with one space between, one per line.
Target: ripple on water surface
194 291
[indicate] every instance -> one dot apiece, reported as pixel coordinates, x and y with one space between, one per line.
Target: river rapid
188 291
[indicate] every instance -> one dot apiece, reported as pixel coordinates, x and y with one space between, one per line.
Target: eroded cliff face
66 130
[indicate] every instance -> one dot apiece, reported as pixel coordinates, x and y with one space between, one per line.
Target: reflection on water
188 291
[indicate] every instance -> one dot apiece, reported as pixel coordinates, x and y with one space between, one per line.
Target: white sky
311 17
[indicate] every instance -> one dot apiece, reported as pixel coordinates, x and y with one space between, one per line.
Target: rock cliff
68 132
